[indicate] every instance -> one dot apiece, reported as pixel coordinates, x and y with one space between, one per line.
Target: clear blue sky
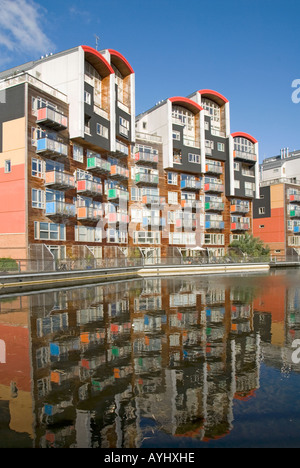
247 50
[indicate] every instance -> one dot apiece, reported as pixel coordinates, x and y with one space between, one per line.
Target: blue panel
54 349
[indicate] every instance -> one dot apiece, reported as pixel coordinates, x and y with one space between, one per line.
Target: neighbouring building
81 176
277 213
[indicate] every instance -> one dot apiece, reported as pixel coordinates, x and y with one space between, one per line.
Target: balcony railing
190 185
214 187
186 223
98 165
146 179
119 172
117 218
295 213
146 158
240 226
59 180
52 119
212 168
214 206
190 204
121 150
297 230
295 198
88 187
151 221
242 208
214 225
244 156
51 148
89 213
117 195
153 200
57 208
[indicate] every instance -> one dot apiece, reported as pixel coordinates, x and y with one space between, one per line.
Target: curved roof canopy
120 62
187 103
244 135
214 96
98 61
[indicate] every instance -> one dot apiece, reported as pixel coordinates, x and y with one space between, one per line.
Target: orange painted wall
17 367
274 227
12 200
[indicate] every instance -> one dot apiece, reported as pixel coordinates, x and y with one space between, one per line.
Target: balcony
51 148
190 185
117 195
190 204
153 222
214 225
214 206
98 165
146 158
245 156
89 213
60 209
88 187
240 226
295 212
295 198
119 172
59 180
240 208
153 200
213 188
146 179
121 150
186 223
118 218
296 229
52 119
212 168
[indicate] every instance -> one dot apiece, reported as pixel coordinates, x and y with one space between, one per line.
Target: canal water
181 362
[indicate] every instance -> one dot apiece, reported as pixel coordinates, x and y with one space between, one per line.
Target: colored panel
274 227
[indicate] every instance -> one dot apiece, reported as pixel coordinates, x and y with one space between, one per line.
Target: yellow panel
13 135
277 196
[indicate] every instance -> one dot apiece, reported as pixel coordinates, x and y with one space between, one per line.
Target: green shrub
8 264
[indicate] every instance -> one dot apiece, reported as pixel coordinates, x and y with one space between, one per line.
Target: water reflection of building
119 364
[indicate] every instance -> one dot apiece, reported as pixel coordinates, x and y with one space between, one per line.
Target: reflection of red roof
188 103
240 395
120 62
194 433
214 96
244 135
208 439
98 61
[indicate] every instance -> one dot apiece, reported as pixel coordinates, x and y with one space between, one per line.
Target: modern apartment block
277 212
81 176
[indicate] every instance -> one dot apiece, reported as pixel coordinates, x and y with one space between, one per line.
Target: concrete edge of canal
25 282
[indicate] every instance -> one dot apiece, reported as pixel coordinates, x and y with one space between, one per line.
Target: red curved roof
188 103
209 93
120 62
98 61
244 135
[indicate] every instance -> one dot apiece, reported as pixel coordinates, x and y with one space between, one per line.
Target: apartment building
276 215
89 179
211 175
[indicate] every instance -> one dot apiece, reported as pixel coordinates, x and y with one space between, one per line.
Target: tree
249 246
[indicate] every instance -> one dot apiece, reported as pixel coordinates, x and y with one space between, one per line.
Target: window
177 157
262 226
78 153
237 184
123 126
236 166
88 234
49 231
172 198
102 131
262 211
37 168
214 239
87 126
141 237
176 135
87 98
7 167
38 199
172 178
194 158
221 147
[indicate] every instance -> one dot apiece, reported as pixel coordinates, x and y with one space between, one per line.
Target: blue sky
247 50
